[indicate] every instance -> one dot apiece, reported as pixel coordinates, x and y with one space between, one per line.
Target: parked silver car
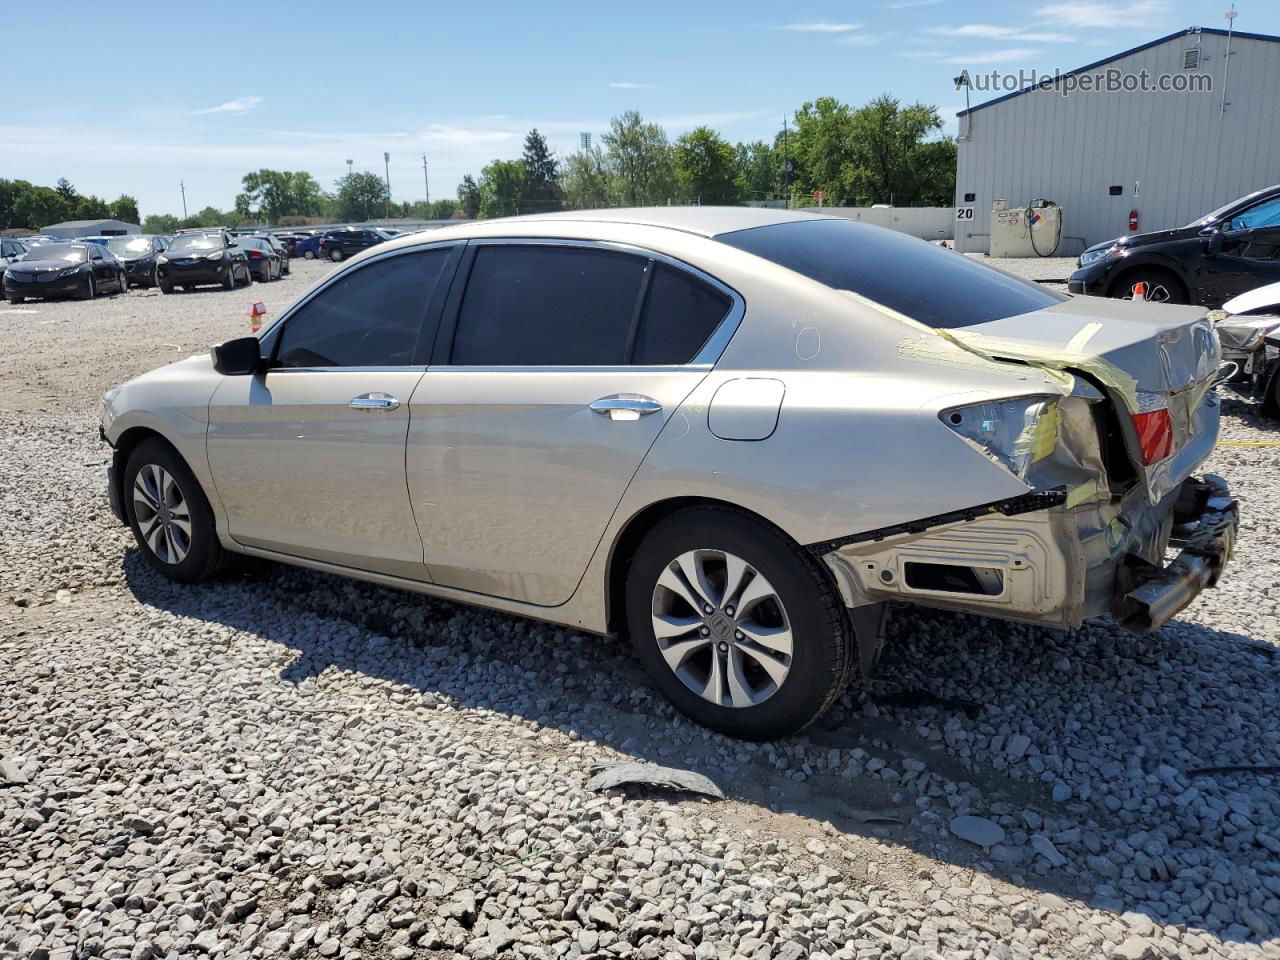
732 434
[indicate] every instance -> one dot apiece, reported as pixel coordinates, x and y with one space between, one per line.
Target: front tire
169 514
90 291
309 255
1161 286
736 625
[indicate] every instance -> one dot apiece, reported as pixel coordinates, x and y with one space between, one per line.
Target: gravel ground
289 764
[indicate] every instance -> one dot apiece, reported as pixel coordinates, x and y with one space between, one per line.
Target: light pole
183 187
426 184
349 162
386 158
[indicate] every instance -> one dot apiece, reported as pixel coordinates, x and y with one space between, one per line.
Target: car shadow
933 737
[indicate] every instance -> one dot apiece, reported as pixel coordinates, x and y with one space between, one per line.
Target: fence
928 223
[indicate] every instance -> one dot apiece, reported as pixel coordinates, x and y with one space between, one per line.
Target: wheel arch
1116 284
632 535
125 444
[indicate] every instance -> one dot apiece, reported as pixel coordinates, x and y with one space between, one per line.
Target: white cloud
628 85
862 39
238 105
991 31
821 27
977 59
908 4
1098 14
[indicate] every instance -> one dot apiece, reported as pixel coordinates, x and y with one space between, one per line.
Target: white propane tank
1031 231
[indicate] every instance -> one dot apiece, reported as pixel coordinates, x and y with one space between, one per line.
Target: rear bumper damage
1206 518
1048 561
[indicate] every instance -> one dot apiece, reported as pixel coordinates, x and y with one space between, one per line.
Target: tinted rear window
927 283
538 306
680 313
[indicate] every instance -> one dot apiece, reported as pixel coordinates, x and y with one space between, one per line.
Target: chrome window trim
706 357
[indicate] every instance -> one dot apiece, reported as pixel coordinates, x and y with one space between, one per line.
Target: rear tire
771 636
169 514
165 285
335 254
1162 286
309 255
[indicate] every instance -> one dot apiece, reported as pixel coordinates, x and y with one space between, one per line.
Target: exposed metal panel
1185 152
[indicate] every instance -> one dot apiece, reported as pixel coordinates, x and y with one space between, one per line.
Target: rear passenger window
680 313
529 305
372 317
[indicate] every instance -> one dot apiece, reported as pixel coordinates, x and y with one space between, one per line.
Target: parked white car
732 434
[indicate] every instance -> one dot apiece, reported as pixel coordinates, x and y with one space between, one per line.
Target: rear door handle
626 406
375 401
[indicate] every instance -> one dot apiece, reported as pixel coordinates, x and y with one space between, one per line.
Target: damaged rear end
1108 458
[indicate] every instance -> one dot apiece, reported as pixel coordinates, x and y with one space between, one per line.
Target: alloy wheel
1151 292
164 520
722 628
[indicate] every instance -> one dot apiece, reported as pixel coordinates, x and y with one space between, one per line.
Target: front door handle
626 406
375 401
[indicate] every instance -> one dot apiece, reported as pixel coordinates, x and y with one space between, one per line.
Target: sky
152 96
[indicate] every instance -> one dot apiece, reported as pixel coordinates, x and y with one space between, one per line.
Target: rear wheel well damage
866 623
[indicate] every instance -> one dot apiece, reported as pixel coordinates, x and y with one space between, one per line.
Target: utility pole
386 158
426 184
786 165
349 162
183 187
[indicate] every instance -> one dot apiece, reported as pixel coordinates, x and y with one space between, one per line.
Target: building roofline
1212 31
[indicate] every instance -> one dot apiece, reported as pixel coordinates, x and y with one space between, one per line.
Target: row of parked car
46 267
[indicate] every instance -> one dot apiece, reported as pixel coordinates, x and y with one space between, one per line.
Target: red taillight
255 255
1155 435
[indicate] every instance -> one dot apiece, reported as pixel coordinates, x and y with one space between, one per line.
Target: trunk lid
1148 358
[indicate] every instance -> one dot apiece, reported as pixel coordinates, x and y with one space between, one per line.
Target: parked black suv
340 244
202 257
1209 261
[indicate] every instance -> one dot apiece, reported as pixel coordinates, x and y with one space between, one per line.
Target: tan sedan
733 434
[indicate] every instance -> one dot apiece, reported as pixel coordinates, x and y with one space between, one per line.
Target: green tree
705 168
272 194
160 223
469 197
125 208
586 182
758 168
541 190
897 156
361 196
67 192
638 157
822 148
502 187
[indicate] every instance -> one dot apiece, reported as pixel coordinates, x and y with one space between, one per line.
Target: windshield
195 241
129 246
1222 210
60 251
927 283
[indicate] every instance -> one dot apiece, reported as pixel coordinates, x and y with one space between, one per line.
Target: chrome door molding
706 358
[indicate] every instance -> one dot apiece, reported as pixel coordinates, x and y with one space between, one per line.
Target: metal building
90 228
1125 155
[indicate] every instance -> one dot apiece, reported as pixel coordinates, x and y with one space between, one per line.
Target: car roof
703 221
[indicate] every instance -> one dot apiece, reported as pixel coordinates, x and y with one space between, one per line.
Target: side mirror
1213 242
239 357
